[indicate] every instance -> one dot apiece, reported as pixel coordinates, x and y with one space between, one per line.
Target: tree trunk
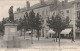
21 32
38 34
56 36
32 37
24 33
59 38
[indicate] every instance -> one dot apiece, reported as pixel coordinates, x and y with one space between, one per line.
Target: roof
23 9
77 0
35 6
65 6
38 5
51 4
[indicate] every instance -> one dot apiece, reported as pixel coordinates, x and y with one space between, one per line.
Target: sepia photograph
39 25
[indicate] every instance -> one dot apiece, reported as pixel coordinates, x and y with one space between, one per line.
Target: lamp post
74 18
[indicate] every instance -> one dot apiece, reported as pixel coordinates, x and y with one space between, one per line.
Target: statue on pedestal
11 15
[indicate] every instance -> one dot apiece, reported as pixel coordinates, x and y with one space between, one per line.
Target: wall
64 14
19 15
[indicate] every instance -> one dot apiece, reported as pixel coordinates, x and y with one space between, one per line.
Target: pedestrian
72 35
53 38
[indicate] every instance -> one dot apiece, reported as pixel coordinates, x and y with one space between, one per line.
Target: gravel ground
42 45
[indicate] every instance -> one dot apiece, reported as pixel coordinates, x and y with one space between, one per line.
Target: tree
27 21
78 22
57 24
31 20
67 21
19 27
23 24
1 29
38 24
2 25
19 24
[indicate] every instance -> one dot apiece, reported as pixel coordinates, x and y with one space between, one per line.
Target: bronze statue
11 15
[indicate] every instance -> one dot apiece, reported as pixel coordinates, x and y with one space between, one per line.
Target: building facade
48 8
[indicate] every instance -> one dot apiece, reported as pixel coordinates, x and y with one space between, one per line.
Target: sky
5 5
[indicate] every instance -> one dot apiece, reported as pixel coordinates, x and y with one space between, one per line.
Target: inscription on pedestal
12 29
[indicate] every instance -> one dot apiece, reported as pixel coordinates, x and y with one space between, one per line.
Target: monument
10 31
10 27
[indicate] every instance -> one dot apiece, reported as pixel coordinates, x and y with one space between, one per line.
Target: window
68 20
62 13
46 12
54 13
77 13
78 4
43 13
67 11
42 21
67 16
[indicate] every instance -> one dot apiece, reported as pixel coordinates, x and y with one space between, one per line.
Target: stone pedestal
10 31
10 36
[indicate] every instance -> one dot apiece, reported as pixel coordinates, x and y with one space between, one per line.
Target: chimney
56 2
42 2
27 5
66 1
63 3
18 9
